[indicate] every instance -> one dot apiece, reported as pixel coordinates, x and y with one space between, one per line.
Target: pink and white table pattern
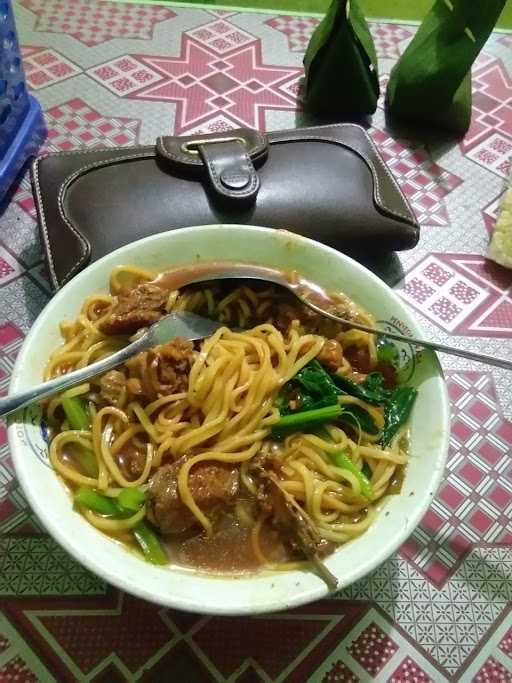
110 74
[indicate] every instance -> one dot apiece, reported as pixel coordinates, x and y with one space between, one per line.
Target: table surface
111 74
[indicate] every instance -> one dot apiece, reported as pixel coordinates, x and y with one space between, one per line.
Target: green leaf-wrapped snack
431 83
341 63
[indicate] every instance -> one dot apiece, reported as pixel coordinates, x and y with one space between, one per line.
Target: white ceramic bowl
186 589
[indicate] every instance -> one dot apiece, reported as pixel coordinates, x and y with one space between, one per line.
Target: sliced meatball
331 355
131 461
112 387
359 359
141 306
176 358
161 371
212 484
287 312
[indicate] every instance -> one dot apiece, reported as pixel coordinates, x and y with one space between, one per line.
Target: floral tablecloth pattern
110 74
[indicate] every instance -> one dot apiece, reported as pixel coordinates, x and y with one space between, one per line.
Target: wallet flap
226 160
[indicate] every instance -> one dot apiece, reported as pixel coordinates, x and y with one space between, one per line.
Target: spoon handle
11 404
226 271
435 346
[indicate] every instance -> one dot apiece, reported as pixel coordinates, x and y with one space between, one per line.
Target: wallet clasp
227 161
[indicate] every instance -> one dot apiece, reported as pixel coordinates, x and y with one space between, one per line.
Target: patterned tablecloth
120 74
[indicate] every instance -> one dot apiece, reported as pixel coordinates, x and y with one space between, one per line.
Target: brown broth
228 550
397 480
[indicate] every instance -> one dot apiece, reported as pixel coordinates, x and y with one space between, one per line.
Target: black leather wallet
326 182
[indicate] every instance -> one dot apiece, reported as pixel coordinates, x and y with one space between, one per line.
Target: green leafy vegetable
397 402
94 501
318 383
282 400
341 460
316 392
386 351
150 544
397 410
372 390
76 412
321 385
131 499
360 418
311 388
305 420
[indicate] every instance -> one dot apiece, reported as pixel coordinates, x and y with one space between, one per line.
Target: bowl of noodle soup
270 459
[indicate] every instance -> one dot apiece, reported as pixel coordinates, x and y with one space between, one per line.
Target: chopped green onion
366 470
109 507
78 417
149 543
306 419
341 460
94 501
131 499
76 413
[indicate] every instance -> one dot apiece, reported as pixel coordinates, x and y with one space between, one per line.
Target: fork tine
185 324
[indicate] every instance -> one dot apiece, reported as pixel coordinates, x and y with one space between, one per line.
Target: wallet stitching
84 152
169 154
338 142
46 237
387 172
324 138
254 178
407 216
151 153
60 203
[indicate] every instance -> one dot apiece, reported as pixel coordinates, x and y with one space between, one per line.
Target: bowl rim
272 604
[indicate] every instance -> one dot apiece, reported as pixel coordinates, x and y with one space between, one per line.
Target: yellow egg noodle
225 415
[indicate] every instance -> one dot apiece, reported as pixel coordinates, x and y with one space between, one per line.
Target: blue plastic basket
22 128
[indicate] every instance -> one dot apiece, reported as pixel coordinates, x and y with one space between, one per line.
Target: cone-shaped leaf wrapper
431 84
341 64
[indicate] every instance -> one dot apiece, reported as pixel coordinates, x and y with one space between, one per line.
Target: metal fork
193 327
187 325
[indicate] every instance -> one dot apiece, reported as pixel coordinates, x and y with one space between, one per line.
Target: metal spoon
187 325
303 290
194 327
